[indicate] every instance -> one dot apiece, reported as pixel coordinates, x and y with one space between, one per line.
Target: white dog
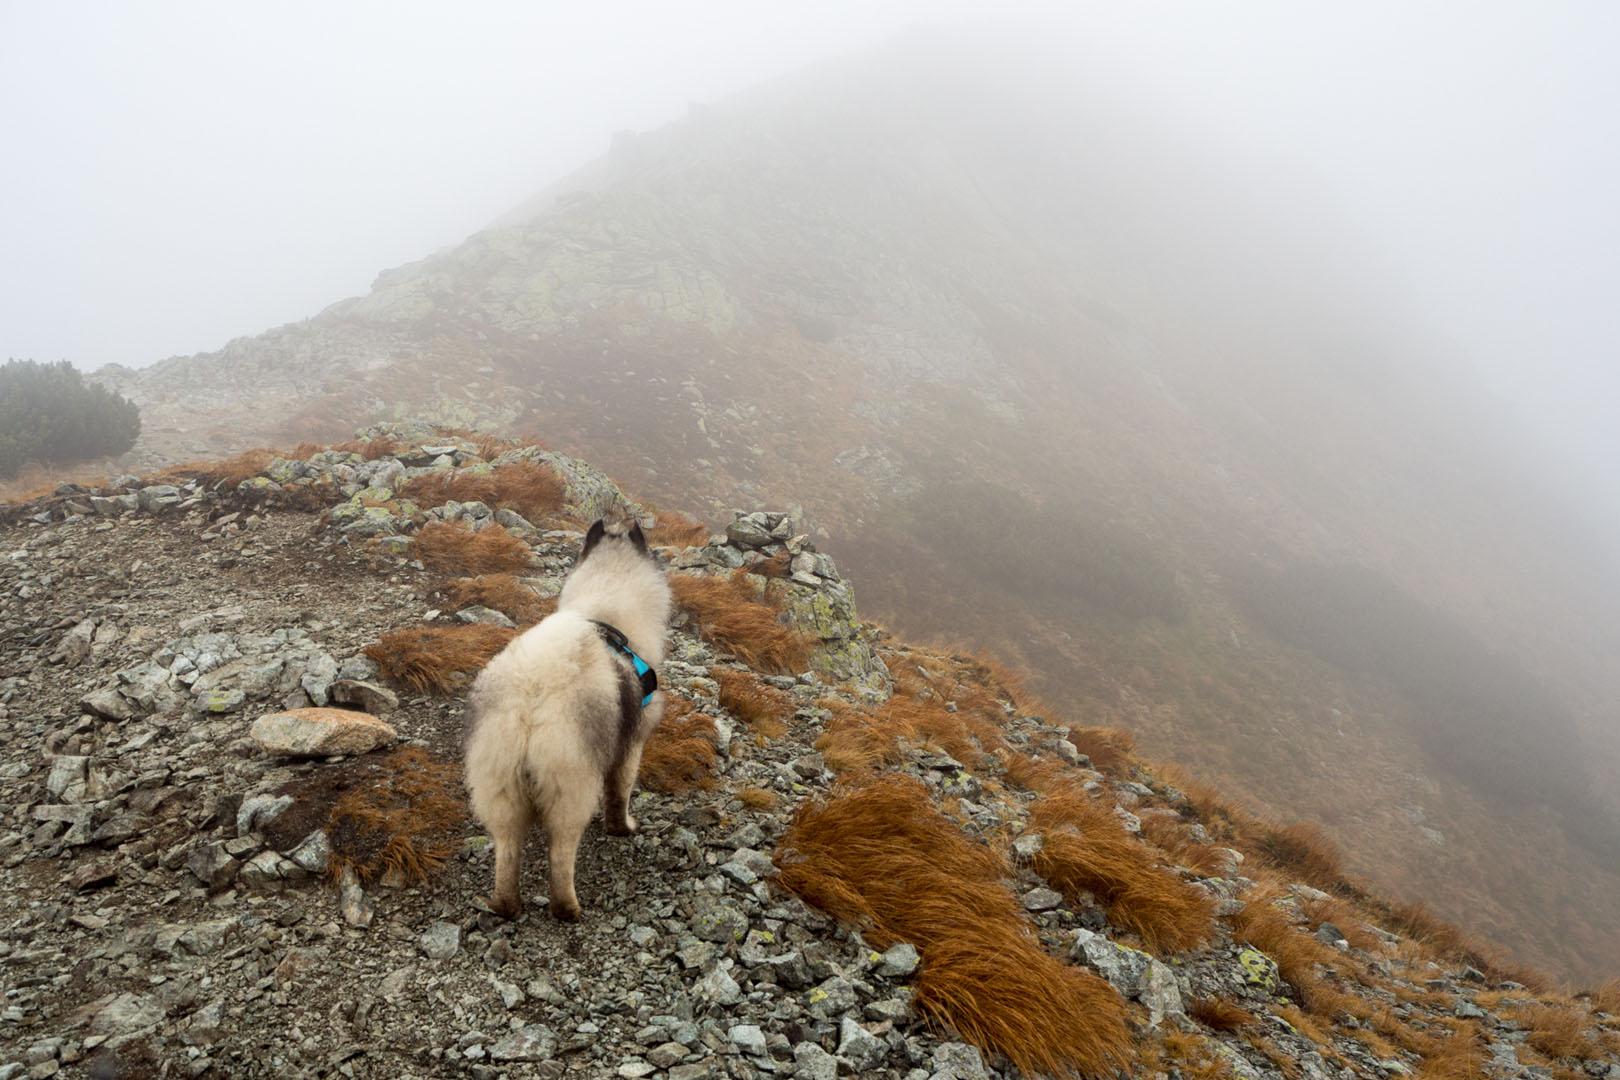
560 716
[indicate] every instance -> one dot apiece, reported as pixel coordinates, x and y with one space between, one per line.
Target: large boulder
319 732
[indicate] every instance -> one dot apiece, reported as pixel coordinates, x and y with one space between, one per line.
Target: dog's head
617 533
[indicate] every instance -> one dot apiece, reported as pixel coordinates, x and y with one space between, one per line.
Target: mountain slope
191 893
1072 388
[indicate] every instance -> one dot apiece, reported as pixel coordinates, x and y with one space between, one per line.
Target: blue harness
619 643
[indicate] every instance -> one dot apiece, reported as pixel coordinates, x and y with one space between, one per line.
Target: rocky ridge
168 646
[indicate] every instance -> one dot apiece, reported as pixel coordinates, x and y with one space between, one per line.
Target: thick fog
183 173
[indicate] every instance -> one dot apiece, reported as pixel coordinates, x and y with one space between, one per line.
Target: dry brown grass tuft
1175 839
1087 850
450 549
1306 851
501 592
229 472
680 755
763 708
1442 938
529 488
370 449
446 485
757 798
438 659
730 614
1606 998
881 856
526 487
1558 1032
401 822
1296 953
1459 1056
677 530
1109 749
1193 1057
776 568
1220 1014
1345 917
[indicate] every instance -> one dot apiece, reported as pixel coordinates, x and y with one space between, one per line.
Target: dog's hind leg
616 819
566 819
508 819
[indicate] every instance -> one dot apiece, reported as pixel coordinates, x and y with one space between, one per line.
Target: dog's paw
507 907
566 910
627 827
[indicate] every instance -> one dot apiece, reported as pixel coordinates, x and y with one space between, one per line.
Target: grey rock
533 1042
358 909
1328 934
318 732
440 941
108 703
899 960
212 865
259 811
68 777
718 987
831 998
314 853
748 1038
719 922
125 1013
363 695
1126 969
1028 846
1042 900
75 644
667 1054
859 1047
749 533
958 1061
811 1062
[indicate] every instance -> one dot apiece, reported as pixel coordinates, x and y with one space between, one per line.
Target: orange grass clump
528 488
763 708
371 449
728 613
450 549
1558 1032
1109 749
678 530
1220 1014
438 659
1458 1056
756 798
1087 849
1296 953
861 739
1606 998
403 821
680 755
881 856
500 592
230 472
1306 851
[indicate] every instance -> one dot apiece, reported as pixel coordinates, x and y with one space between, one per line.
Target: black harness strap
619 643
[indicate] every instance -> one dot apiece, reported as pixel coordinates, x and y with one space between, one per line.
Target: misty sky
178 174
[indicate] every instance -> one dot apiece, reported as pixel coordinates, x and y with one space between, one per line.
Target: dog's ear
637 538
593 537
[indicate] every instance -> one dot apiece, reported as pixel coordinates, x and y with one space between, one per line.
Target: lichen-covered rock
317 732
590 493
827 614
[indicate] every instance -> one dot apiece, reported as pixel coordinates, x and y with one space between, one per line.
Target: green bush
49 415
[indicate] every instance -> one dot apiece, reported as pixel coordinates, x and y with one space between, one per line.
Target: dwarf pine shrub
50 415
